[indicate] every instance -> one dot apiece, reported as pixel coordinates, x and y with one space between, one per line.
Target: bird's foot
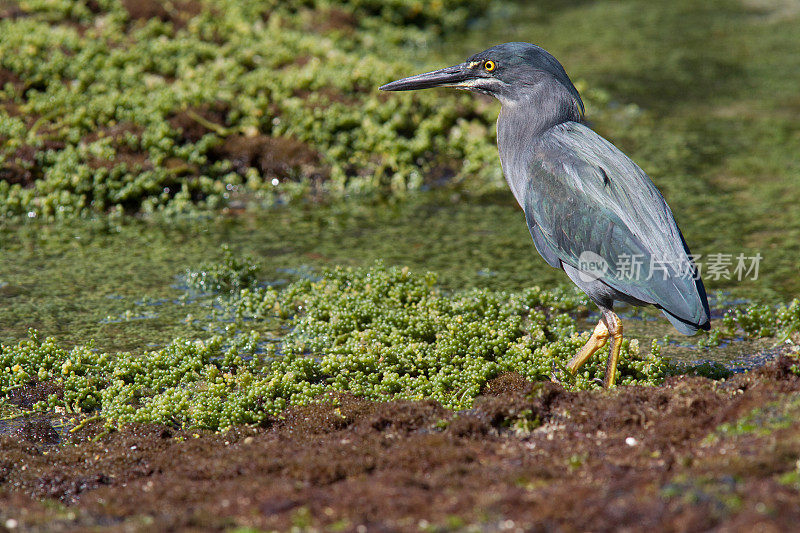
609 326
596 342
613 357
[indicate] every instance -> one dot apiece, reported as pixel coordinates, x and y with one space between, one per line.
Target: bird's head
511 72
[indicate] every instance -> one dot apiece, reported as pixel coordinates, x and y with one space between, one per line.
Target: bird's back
584 198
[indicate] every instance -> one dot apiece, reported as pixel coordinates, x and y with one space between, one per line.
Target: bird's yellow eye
489 65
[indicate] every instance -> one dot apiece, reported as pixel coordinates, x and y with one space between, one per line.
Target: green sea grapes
377 332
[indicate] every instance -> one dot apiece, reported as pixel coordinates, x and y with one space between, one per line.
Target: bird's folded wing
589 206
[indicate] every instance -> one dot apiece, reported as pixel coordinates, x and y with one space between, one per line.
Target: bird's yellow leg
615 328
596 342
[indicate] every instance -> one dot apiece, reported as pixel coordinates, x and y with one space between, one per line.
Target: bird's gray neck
520 126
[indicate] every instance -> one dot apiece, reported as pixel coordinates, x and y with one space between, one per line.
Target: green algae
720 493
138 109
791 478
760 421
381 333
230 275
377 332
759 320
766 439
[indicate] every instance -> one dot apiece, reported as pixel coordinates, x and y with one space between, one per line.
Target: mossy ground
526 456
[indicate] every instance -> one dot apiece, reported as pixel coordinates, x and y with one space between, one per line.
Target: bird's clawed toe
596 342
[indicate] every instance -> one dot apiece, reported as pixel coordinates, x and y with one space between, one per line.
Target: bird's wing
585 201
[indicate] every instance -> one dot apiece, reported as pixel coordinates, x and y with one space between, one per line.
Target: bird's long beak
455 76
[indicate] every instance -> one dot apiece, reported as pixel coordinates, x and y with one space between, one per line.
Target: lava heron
591 211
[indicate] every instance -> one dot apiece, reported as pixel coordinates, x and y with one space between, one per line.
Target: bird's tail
700 316
685 326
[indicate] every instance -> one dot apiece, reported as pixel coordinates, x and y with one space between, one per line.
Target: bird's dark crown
519 67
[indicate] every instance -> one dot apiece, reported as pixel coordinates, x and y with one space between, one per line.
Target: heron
591 211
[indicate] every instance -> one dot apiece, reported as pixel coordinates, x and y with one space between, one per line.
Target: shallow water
119 283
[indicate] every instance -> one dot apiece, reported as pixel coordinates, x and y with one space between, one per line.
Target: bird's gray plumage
580 194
